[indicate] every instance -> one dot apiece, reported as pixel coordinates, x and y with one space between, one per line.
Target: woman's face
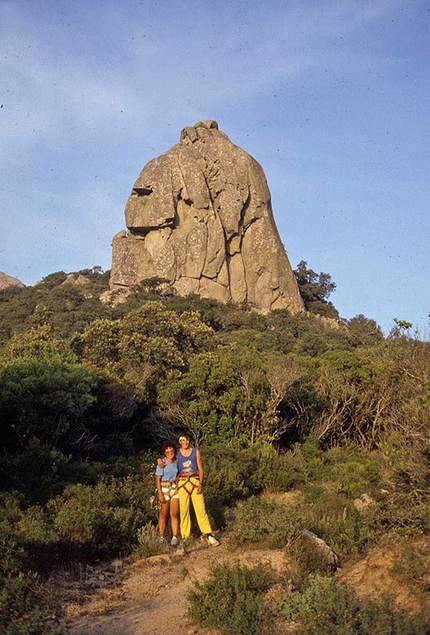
169 453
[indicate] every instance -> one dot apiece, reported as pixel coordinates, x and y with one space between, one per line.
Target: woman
165 479
189 487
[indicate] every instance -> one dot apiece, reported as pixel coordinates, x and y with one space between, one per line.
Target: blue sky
331 98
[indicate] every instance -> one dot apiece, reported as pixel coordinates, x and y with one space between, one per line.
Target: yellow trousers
187 491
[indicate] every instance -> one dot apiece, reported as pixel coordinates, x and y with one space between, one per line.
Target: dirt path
151 598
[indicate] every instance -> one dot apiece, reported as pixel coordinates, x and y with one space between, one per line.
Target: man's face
184 442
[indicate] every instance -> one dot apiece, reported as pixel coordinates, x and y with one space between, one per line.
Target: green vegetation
325 606
148 538
231 600
315 290
330 410
237 600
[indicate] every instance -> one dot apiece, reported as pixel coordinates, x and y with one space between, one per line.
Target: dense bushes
85 521
26 606
44 399
85 386
230 600
27 538
344 495
276 378
237 472
27 547
238 600
325 606
100 520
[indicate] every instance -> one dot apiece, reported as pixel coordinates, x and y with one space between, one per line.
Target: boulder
200 218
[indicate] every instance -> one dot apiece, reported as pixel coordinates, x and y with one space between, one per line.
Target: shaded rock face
200 217
8 281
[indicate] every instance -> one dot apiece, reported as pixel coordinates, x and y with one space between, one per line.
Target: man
189 488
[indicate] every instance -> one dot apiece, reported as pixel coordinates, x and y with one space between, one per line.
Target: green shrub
27 538
325 506
230 472
353 470
335 477
231 600
149 543
263 522
38 471
349 469
324 606
327 607
276 472
26 606
236 473
407 511
382 617
276 524
101 519
333 517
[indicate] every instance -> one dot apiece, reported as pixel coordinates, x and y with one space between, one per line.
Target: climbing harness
184 480
169 488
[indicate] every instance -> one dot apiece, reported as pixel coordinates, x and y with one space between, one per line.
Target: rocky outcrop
8 281
76 278
200 218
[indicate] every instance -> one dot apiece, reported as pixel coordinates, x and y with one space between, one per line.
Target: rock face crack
200 217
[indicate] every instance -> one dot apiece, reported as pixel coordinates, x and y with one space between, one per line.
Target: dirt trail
152 597
149 597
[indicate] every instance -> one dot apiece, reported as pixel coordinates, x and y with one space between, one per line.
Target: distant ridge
8 281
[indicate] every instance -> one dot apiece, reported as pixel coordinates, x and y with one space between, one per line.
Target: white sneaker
174 542
212 540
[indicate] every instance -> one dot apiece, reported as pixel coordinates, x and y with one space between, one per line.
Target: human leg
201 514
163 516
184 510
174 517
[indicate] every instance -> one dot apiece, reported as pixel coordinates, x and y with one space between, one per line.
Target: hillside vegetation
328 408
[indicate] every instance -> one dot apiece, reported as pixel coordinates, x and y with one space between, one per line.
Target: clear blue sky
331 97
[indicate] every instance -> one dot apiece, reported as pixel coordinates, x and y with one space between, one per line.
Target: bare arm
200 470
159 490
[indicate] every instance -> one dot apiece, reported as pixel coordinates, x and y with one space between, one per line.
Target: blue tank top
187 465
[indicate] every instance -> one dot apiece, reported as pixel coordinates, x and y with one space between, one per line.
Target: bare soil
149 597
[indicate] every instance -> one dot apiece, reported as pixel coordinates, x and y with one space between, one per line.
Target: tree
207 397
143 346
231 393
365 331
39 341
315 290
400 330
45 400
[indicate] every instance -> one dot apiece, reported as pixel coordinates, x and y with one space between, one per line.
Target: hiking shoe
174 542
180 551
212 540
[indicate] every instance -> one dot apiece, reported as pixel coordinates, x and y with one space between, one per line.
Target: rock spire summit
200 217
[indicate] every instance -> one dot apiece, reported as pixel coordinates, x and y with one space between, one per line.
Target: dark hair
168 444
